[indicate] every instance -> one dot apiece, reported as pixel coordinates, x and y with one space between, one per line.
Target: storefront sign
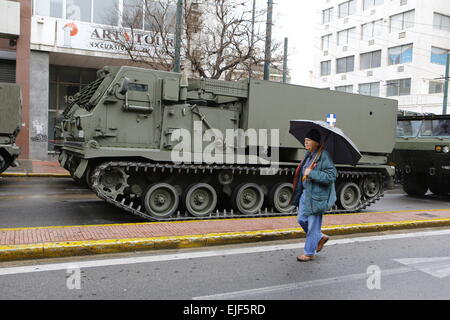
86 36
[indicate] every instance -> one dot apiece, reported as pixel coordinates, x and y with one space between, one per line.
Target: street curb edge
34 175
80 248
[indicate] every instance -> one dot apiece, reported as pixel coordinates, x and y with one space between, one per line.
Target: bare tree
217 40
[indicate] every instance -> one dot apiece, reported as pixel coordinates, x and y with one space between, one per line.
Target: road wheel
415 184
3 163
280 197
200 199
161 200
371 186
248 198
88 181
348 196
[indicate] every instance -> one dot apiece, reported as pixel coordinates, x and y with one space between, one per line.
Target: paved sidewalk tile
21 236
38 167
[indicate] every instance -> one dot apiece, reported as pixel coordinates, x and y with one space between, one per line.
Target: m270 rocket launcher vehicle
10 122
422 154
142 140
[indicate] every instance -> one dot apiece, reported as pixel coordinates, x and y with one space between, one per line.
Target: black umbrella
341 149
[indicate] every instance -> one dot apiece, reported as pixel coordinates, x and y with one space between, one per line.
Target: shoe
322 243
305 258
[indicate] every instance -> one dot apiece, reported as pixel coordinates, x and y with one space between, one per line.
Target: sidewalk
37 168
47 242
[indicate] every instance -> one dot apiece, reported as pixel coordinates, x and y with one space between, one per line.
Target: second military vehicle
422 155
10 122
122 135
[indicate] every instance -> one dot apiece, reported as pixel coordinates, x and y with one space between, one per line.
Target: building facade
70 41
53 48
388 48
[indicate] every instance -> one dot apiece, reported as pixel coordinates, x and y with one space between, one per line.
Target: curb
34 175
69 249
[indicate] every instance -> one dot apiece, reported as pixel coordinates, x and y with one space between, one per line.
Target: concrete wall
39 92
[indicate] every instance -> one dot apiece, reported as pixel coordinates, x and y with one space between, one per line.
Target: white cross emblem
332 119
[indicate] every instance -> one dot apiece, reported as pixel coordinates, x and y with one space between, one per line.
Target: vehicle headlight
446 149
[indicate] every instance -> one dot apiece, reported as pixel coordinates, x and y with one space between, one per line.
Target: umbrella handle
314 163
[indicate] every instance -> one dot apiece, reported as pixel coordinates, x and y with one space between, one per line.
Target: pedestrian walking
314 193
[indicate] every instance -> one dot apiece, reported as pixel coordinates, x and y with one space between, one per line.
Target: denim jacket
320 193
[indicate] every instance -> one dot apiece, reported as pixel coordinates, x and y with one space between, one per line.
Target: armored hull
165 148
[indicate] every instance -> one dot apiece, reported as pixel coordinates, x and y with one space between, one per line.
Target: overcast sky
297 20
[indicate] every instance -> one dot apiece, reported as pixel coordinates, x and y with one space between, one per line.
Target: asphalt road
41 202
413 265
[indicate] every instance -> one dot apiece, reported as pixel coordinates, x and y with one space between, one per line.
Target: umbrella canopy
341 149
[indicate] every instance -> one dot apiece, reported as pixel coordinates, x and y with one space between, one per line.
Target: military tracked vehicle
10 121
122 135
421 155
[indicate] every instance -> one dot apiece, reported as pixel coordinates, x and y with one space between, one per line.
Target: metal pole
268 57
179 28
447 74
252 41
285 60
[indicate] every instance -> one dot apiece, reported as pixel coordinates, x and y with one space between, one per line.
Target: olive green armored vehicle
421 155
10 121
165 148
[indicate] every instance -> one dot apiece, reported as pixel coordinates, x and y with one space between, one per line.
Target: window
401 87
436 87
79 10
49 8
348 89
138 87
347 8
439 55
402 21
441 22
346 64
346 37
435 128
408 128
327 16
370 89
325 68
97 11
106 12
370 60
367 4
401 54
326 42
372 29
133 14
64 83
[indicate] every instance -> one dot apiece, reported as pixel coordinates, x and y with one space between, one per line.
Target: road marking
205 253
437 267
299 285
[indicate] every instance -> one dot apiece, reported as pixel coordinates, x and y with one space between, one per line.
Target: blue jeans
312 225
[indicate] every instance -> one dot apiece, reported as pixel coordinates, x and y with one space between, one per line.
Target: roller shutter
8 71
